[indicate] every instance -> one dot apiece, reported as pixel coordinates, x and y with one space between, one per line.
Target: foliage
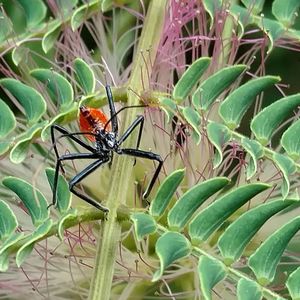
224 218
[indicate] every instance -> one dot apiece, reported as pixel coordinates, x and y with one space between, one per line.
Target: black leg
69 135
81 175
139 121
58 165
113 115
147 155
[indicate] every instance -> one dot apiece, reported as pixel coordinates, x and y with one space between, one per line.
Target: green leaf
265 259
193 118
211 271
85 76
63 194
32 101
83 13
290 141
212 217
5 27
8 221
267 121
7 120
233 108
5 249
68 216
293 284
4 146
62 118
212 87
255 151
144 225
28 245
19 151
218 135
170 247
285 11
186 206
169 107
190 78
35 11
211 7
51 36
238 234
59 88
106 5
66 7
19 54
254 6
32 198
248 290
287 167
165 193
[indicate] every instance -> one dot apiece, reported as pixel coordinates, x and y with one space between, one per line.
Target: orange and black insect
103 132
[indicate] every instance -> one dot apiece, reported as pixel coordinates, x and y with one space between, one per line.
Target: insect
104 134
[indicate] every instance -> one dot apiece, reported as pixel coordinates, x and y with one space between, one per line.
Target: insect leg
81 175
113 115
147 155
73 156
139 121
73 138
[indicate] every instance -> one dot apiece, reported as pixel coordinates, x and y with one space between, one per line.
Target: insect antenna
123 108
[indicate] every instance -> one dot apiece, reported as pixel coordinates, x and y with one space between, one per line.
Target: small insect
103 133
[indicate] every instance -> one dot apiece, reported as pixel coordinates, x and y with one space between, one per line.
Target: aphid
103 133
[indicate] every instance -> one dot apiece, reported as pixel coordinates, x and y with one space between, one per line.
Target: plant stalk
110 234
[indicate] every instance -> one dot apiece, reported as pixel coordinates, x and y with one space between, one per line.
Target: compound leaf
85 76
218 135
5 27
255 7
59 88
169 107
68 216
209 219
190 78
5 249
30 240
32 101
186 206
165 193
267 121
293 284
193 118
8 221
170 247
287 167
211 271
20 149
285 11
32 198
35 11
248 290
83 12
233 108
144 225
290 141
212 87
255 151
265 259
51 36
234 240
7 119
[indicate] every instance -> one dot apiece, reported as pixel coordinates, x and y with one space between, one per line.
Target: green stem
111 231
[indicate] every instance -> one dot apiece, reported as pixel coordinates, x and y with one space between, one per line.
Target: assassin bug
103 133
